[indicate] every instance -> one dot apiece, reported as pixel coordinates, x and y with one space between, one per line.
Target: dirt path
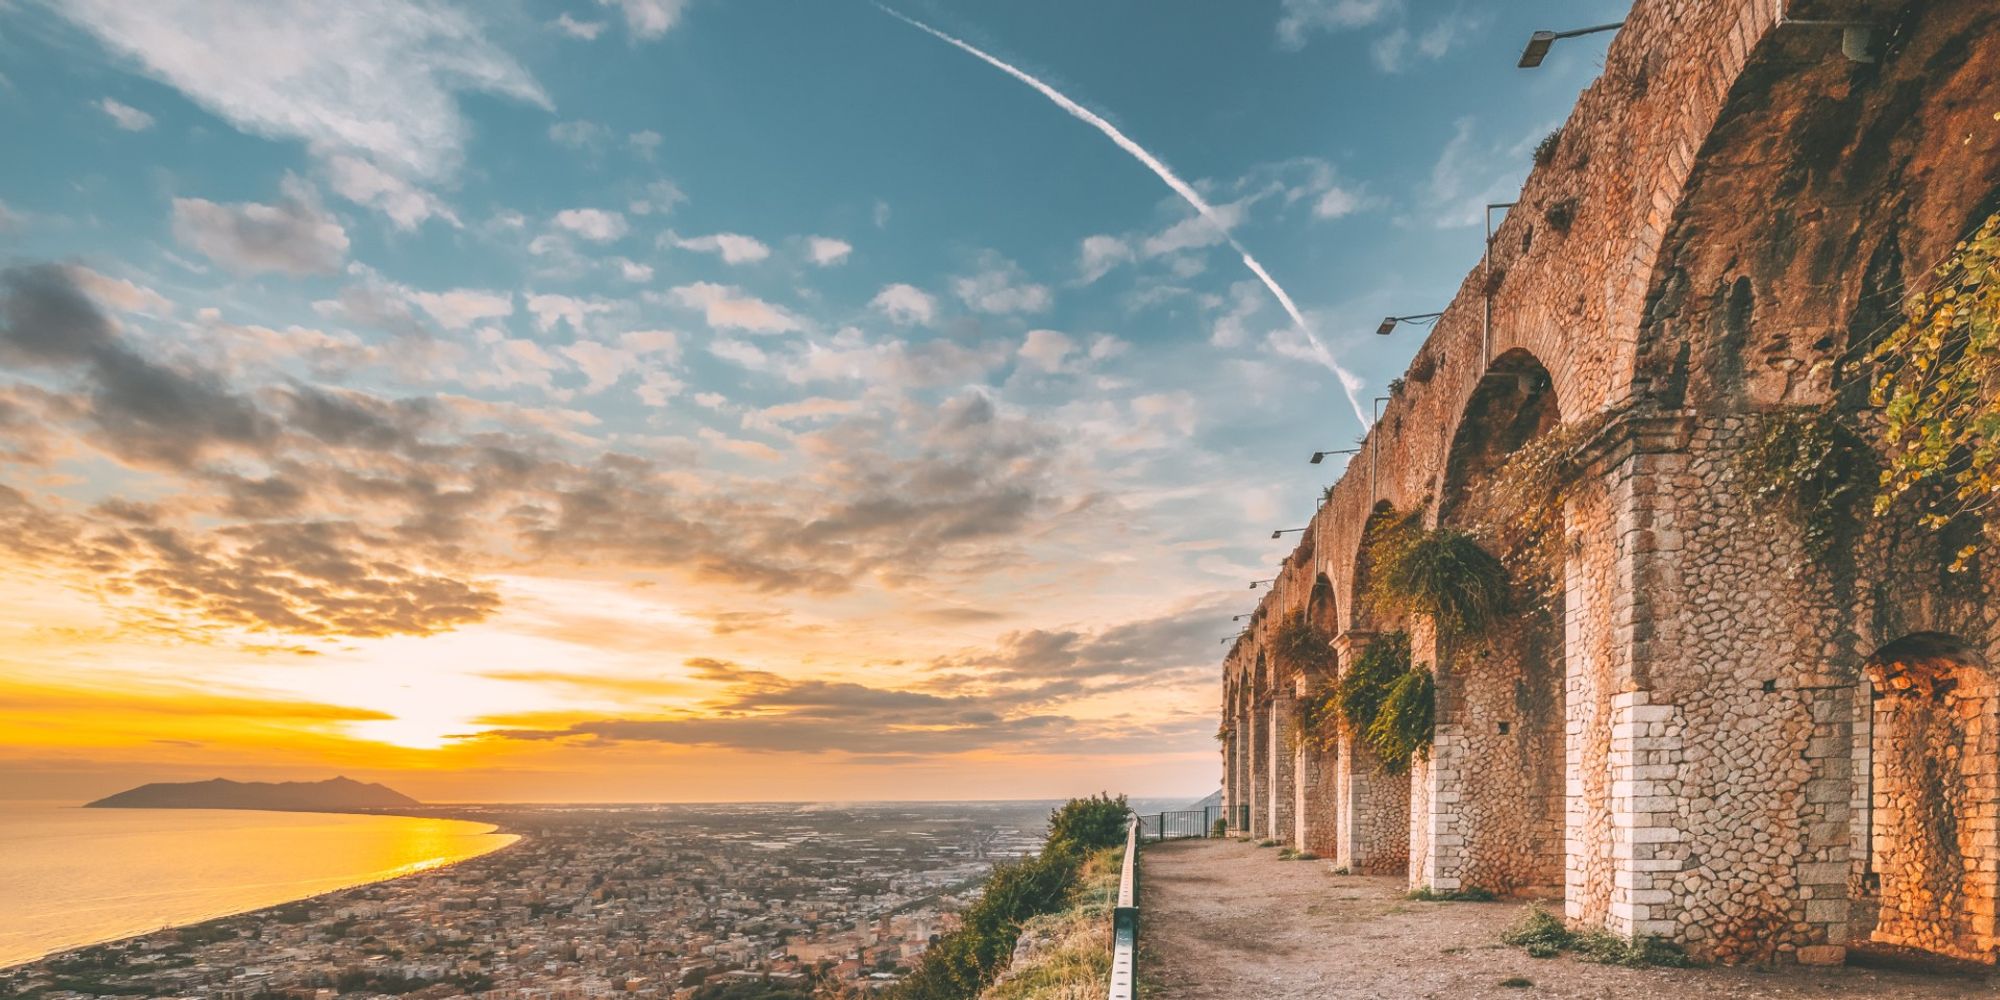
1222 919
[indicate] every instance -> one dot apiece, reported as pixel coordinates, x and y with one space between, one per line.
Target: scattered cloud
905 304
727 307
127 117
1046 349
295 236
374 81
1299 19
585 30
594 224
551 310
733 248
585 135
460 308
1099 254
648 19
827 251
1000 286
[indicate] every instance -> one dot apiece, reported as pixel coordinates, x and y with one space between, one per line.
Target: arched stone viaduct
1700 741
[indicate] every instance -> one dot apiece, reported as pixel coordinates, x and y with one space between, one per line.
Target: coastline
492 829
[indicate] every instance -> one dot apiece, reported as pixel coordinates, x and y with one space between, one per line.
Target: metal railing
1125 920
1177 824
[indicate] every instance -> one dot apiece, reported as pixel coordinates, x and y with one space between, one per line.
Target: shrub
1366 684
1809 466
1543 935
1444 574
1316 718
1302 646
1561 215
1404 725
1471 894
1085 825
1545 151
959 964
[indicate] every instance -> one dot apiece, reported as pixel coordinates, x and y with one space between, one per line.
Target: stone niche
1931 875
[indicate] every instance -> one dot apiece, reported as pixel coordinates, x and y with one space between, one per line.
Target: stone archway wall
1737 203
1500 694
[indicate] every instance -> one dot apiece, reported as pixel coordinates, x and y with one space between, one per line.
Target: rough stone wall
1740 209
1284 793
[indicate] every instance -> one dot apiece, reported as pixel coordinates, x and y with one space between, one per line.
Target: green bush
1446 575
1403 728
1366 684
959 964
1090 824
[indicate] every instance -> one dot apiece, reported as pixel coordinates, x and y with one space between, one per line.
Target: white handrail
1125 920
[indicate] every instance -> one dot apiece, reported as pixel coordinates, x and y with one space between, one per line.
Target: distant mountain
1213 801
331 795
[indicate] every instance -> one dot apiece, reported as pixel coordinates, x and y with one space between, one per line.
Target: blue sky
788 313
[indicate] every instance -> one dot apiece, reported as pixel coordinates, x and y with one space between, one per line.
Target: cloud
1099 254
1298 19
827 251
147 413
377 81
1046 349
550 310
660 198
295 236
733 248
460 308
127 117
1000 286
632 270
594 224
648 19
364 183
905 304
727 307
1470 174
645 142
586 30
118 293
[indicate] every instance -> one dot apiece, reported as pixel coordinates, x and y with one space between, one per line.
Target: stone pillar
1645 830
1229 784
1260 772
1284 776
1313 808
1239 741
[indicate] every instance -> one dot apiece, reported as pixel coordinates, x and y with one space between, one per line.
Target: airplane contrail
1349 382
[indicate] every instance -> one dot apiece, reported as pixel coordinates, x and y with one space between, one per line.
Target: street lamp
1539 42
1238 618
1254 584
1320 456
1389 322
1232 638
1284 531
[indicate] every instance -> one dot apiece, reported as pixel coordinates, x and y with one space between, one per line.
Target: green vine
1444 574
1523 504
1387 703
1810 466
1316 718
1303 646
1938 389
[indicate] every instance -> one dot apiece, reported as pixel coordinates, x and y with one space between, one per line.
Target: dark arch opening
1929 793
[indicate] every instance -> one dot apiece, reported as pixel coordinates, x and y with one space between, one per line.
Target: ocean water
71 876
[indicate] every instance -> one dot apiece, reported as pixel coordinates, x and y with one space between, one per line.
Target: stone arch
1360 610
1497 770
1929 767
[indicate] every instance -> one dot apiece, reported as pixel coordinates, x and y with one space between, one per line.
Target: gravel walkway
1223 919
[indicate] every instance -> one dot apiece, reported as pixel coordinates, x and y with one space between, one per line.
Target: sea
71 876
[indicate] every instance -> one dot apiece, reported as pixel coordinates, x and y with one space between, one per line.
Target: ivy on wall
1302 647
1387 703
1522 510
1810 465
1937 387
